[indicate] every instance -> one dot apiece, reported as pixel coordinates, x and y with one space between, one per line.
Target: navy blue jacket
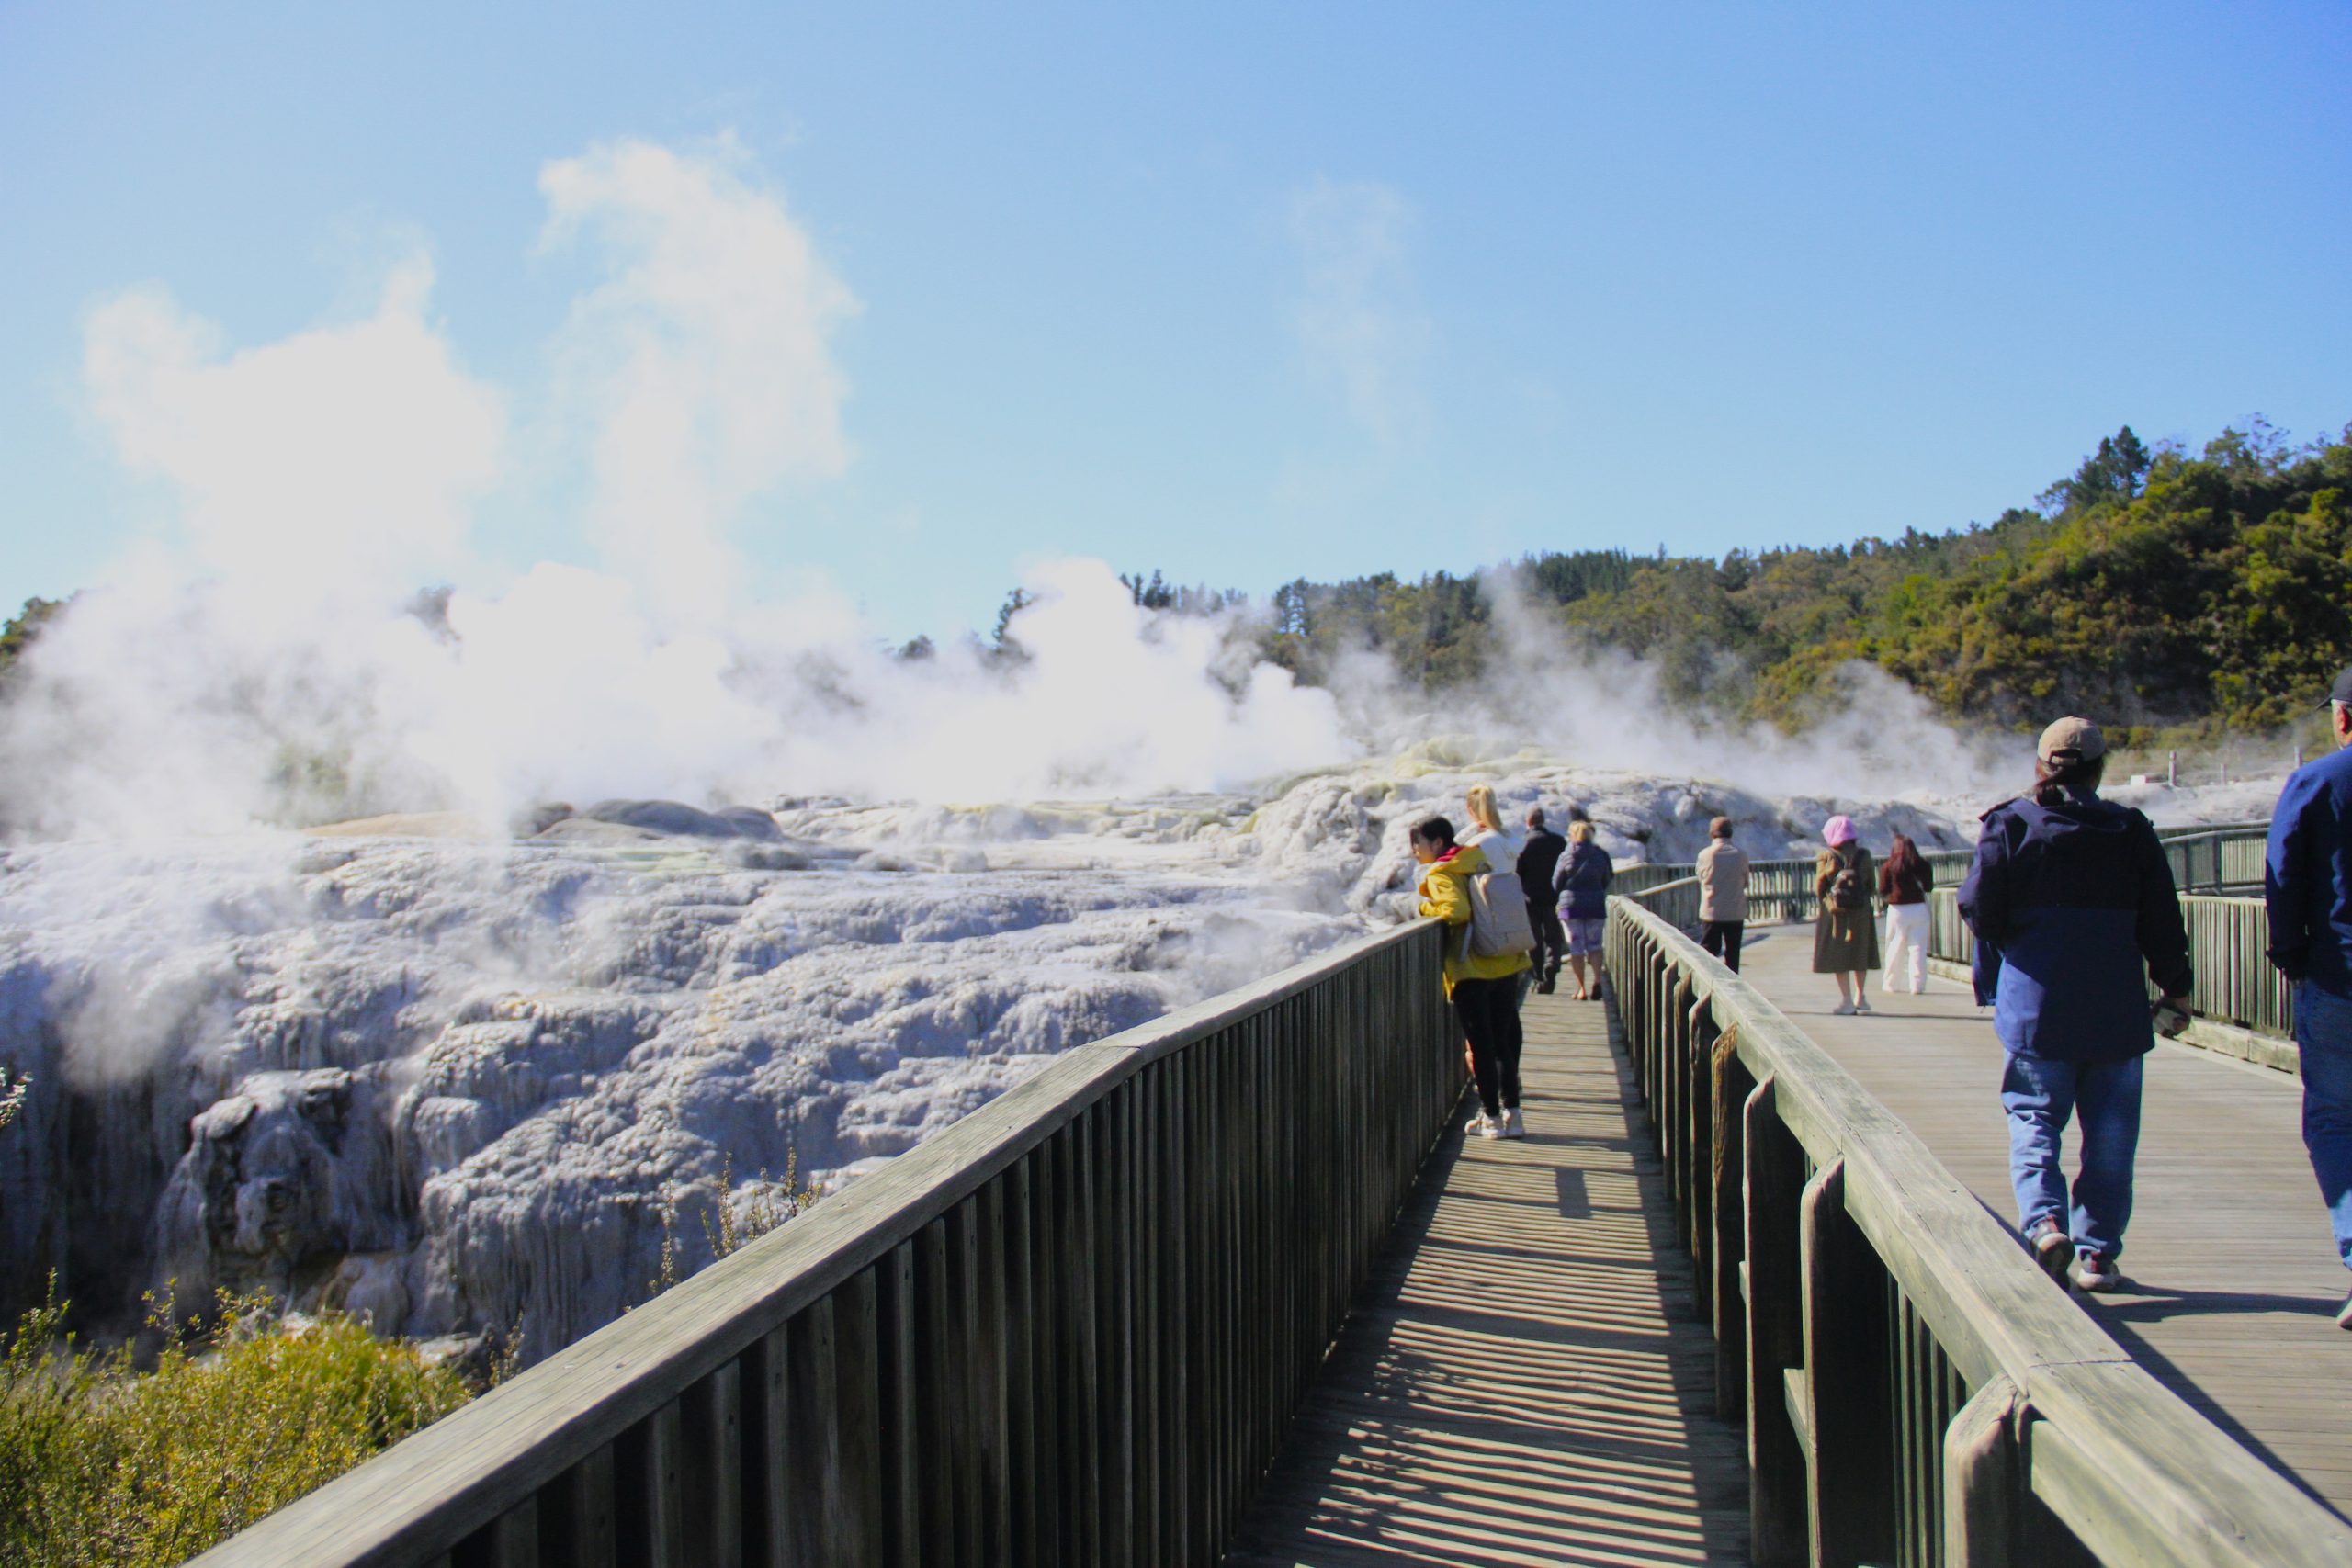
2307 875
2066 902
1582 882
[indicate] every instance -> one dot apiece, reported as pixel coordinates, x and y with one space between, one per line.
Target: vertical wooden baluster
1851 1471
576 1512
857 1355
815 1522
644 1488
960 1403
935 1368
898 1428
1775 1179
767 1450
711 1468
1733 1084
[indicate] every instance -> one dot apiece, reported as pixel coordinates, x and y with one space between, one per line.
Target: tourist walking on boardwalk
1582 883
1484 990
2307 885
2069 897
1537 862
1722 894
1903 884
1844 937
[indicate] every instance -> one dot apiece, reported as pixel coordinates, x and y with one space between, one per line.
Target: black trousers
1721 939
1489 1013
1551 938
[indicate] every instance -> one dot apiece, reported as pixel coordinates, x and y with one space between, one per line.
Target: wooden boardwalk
2231 1282
1523 1380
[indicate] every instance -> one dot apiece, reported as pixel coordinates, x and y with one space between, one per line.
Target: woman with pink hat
1844 937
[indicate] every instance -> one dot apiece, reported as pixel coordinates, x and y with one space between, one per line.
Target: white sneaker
1514 1125
1843 1010
1862 1004
1485 1126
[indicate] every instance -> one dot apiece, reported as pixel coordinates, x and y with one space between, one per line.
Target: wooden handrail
1909 1379
1070 1328
2235 986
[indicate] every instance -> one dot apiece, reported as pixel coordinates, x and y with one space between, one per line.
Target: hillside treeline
2151 588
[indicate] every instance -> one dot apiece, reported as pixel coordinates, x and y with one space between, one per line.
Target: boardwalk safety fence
1069 1329
2235 983
1915 1389
2203 860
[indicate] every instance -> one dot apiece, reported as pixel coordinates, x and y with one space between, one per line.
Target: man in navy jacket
2307 883
2069 897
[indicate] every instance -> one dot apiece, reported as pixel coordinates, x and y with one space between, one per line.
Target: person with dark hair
1536 863
1483 989
2072 902
1844 937
2307 886
1903 884
1722 894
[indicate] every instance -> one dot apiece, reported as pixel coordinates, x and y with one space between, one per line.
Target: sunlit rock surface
465 1082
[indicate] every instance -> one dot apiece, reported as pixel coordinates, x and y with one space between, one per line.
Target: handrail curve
1914 1300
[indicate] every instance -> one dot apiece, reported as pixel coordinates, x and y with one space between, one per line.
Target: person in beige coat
1722 894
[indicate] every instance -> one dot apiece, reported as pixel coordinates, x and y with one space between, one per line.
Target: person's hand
2170 1017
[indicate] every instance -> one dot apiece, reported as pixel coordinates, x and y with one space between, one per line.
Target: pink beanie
1838 830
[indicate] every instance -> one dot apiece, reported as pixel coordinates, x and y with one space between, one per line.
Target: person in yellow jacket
1485 991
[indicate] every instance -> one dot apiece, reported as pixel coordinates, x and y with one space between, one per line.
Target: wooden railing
2235 986
1071 1328
1915 1390
2203 860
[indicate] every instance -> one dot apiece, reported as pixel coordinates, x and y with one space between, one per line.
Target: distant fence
1915 1389
2235 985
2224 860
1069 1329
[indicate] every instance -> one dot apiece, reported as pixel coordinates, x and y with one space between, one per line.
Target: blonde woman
1487 833
1582 882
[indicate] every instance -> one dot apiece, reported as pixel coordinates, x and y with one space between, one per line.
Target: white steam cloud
263 663
266 662
705 362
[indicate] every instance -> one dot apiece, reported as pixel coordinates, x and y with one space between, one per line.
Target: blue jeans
2324 1035
2041 1096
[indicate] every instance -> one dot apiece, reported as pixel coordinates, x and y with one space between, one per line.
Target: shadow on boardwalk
1524 1379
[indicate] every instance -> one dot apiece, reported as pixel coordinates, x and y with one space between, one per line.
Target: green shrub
103 1463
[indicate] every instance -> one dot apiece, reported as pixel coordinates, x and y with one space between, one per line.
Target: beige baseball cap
2071 740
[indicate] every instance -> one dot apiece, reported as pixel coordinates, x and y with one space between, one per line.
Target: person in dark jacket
2070 896
1536 863
1582 883
2307 885
1903 884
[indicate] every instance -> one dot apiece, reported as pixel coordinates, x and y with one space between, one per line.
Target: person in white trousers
1903 882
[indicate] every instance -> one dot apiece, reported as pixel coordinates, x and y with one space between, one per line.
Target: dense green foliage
2156 589
101 1463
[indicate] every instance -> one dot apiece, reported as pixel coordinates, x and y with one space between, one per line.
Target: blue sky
1238 293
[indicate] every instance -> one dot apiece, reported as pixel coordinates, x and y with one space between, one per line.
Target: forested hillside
2151 589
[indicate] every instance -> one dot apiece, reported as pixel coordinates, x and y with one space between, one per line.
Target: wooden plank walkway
1524 1379
2230 1281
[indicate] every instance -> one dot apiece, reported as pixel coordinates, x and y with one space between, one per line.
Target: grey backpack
1498 923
